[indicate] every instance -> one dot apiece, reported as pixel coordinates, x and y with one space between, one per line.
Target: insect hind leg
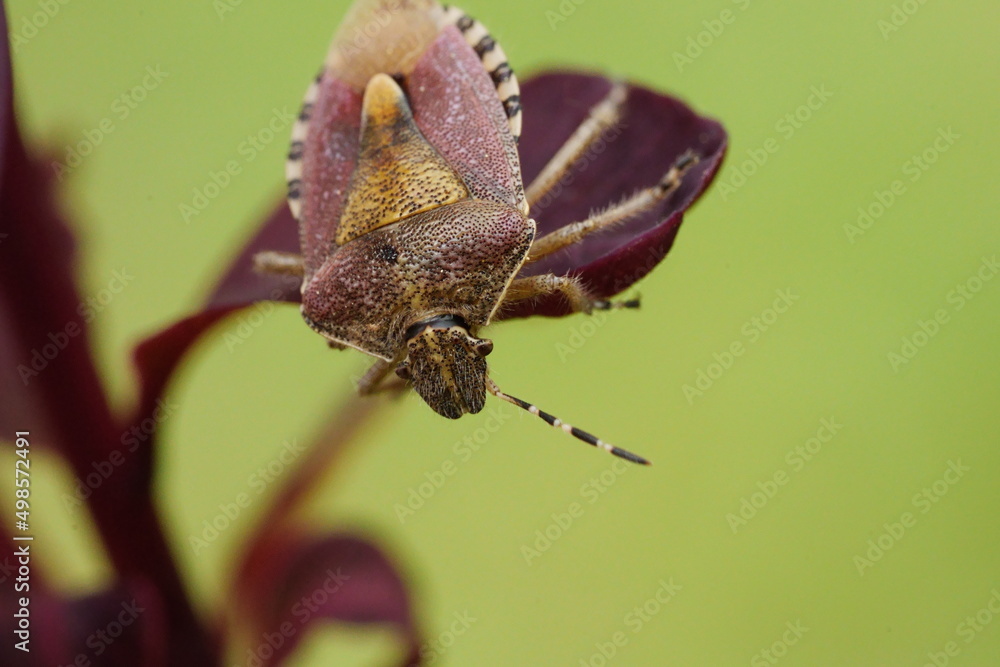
635 205
531 287
603 115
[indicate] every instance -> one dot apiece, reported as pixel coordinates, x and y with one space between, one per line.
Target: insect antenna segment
551 420
615 305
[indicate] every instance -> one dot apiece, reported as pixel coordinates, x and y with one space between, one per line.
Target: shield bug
414 223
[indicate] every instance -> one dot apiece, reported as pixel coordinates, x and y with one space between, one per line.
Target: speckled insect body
414 223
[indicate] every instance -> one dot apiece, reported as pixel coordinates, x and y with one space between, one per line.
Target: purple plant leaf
654 131
119 627
291 581
6 90
241 285
49 385
47 375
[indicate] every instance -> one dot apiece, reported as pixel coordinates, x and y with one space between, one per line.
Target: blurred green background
909 94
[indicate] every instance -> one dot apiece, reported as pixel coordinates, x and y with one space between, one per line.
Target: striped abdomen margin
495 62
293 167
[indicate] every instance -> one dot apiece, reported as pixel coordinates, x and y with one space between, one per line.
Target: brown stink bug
413 220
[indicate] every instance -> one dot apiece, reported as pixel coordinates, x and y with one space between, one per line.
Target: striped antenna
560 424
614 305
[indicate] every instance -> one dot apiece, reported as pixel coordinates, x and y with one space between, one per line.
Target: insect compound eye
484 347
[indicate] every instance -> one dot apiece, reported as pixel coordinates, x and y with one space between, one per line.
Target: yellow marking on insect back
399 174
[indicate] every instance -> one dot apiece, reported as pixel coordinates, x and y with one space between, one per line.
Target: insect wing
456 106
454 102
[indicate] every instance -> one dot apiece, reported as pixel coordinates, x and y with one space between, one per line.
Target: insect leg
603 115
370 381
534 286
280 263
636 204
560 424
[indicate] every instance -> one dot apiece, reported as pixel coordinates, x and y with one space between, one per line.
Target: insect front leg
581 302
372 381
603 115
638 203
278 263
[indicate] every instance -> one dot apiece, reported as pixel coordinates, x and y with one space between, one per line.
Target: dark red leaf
292 581
240 285
50 387
655 130
47 374
6 90
120 627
